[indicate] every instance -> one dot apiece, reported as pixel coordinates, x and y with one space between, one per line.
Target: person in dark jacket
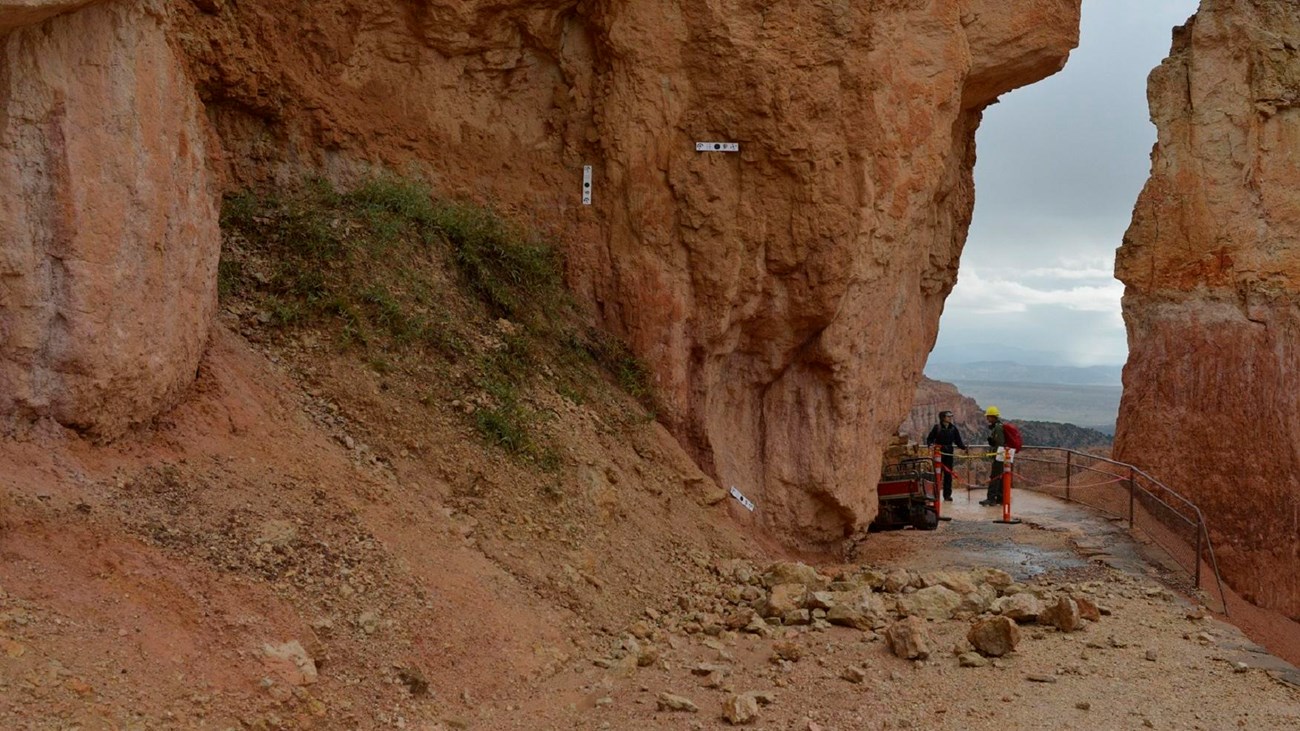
946 435
997 440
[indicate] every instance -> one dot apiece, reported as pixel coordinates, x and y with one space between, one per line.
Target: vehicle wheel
929 520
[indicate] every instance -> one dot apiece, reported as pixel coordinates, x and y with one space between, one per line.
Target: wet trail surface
1055 539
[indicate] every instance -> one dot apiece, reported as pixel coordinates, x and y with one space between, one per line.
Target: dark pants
995 482
948 462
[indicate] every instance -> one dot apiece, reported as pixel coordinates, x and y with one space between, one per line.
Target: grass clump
391 272
509 271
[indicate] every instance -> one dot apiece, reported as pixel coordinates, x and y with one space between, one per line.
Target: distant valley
1087 397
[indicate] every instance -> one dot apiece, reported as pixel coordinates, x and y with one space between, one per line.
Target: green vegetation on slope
401 279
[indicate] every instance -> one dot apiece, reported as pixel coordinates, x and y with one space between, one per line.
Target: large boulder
994 637
1062 614
934 602
108 217
909 639
1022 607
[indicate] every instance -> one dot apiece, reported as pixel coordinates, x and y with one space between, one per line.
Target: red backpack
1012 434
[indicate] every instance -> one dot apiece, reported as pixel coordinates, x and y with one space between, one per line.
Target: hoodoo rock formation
784 295
1211 266
108 225
933 397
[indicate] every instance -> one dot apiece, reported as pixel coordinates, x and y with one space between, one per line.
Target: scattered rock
1087 608
994 637
414 680
972 660
897 580
1022 607
291 662
671 702
1064 614
1040 678
934 602
908 639
820 600
854 674
787 650
1083 705
787 572
996 578
740 709
648 656
956 582
785 598
796 617
706 668
860 609
1152 656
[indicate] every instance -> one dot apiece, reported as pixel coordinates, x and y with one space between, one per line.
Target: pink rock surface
785 295
108 226
1212 272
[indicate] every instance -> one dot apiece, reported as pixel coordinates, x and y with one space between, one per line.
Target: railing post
938 468
1132 489
1200 528
1069 458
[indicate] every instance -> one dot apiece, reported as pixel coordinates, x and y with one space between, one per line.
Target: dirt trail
1146 664
250 562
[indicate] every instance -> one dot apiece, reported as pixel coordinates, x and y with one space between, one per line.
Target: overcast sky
1060 165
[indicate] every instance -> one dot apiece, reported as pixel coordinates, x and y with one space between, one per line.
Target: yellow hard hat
992 411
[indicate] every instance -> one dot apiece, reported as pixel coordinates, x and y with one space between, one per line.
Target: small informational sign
717 147
586 185
742 499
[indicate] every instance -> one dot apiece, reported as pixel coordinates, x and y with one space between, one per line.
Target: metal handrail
1134 472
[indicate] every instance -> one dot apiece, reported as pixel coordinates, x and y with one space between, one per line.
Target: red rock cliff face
785 295
933 397
108 227
1211 266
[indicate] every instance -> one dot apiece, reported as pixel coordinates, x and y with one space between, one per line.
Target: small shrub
513 275
617 359
504 426
229 273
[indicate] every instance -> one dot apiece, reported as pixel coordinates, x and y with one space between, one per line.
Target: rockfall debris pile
786 604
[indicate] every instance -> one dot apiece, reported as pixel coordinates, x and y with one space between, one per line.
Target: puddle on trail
1022 561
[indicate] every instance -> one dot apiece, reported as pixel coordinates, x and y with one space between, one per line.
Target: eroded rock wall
933 397
108 226
1211 266
785 295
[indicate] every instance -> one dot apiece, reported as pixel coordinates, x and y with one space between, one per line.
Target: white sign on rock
742 499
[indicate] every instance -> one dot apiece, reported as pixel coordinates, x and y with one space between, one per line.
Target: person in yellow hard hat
997 440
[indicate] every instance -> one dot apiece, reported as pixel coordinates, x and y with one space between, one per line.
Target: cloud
983 295
1060 166
1071 273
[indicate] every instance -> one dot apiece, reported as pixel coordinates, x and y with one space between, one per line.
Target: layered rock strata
1211 266
108 226
785 295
